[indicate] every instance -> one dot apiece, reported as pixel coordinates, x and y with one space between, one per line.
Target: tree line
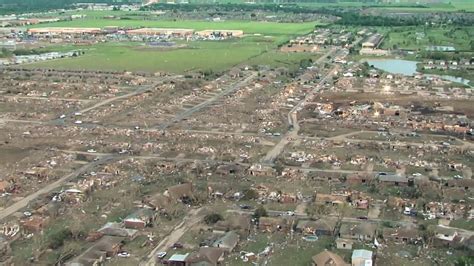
25 6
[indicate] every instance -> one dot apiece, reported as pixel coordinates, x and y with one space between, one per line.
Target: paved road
138 91
230 89
274 213
293 115
194 216
181 160
17 206
47 98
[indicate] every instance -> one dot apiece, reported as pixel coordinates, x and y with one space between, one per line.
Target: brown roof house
140 219
358 231
106 247
240 223
327 258
324 226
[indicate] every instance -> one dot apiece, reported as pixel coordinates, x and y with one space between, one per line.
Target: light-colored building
226 33
161 31
362 257
63 30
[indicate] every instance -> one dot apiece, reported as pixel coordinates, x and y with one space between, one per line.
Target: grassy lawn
199 55
299 253
259 47
463 224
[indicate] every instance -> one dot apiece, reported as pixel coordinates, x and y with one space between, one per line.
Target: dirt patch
12 155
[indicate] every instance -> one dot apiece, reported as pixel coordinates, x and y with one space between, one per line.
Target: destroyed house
206 256
140 219
261 170
180 192
238 222
402 235
358 231
466 184
228 241
395 180
35 224
330 199
228 169
342 243
327 258
158 201
357 179
272 224
321 227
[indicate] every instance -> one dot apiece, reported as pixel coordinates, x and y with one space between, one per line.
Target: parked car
177 245
161 255
123 254
245 207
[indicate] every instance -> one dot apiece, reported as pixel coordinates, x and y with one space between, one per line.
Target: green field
258 47
412 38
201 55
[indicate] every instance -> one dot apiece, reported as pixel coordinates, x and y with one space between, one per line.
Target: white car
62 116
78 122
123 254
161 255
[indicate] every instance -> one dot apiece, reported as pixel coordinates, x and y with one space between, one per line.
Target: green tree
212 218
249 194
260 212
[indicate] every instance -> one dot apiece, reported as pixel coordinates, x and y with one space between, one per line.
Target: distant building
373 41
161 31
220 33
